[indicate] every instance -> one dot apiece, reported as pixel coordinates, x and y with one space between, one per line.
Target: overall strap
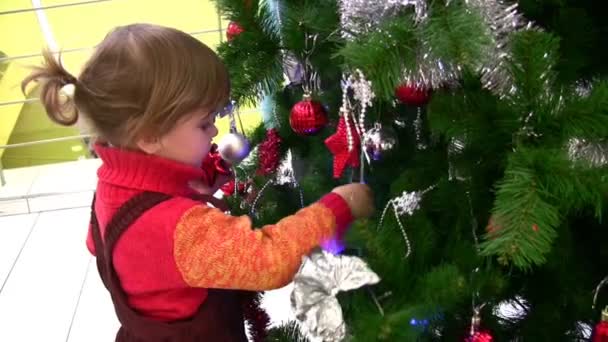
122 219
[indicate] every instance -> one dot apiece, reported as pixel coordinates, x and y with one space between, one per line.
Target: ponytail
55 95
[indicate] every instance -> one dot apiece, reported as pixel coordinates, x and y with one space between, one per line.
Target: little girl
175 266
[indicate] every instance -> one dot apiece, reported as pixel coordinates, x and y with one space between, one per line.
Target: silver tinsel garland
431 72
501 19
593 153
362 16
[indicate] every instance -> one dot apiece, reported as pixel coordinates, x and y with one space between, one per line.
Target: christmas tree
484 141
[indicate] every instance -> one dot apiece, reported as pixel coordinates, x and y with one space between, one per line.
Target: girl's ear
149 145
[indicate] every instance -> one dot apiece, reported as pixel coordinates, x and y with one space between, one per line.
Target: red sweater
173 252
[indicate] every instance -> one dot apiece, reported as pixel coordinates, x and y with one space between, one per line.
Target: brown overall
219 318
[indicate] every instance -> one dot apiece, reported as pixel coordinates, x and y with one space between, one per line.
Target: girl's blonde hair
141 80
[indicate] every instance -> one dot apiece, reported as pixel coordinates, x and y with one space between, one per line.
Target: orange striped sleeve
215 250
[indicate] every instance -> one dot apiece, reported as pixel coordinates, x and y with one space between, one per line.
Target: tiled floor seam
8 276
84 281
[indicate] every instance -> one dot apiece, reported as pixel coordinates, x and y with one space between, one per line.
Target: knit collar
136 170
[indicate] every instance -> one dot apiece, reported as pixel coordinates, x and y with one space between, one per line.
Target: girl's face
190 139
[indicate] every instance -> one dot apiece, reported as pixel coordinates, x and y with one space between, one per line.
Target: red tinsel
269 152
480 336
600 333
213 165
233 30
412 95
338 146
257 318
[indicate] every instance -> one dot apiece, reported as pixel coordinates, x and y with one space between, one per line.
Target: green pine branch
252 57
456 34
472 115
254 66
289 332
383 54
241 11
311 17
574 185
524 218
534 99
585 116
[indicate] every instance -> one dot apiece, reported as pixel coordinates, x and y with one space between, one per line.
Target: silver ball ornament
379 141
234 147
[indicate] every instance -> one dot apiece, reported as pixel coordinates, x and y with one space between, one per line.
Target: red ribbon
213 166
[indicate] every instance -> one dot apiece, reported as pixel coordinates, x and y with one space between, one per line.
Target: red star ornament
338 146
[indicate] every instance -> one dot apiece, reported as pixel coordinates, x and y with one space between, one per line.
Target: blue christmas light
334 246
421 323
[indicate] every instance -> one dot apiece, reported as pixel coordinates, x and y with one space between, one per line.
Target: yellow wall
76 27
20 35
9 113
34 125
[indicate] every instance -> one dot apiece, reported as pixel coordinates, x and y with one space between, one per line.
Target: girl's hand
203 188
359 197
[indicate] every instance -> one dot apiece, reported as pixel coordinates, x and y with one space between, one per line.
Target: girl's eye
207 124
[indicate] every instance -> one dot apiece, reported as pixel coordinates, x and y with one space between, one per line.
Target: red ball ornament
307 117
412 95
600 333
480 336
476 334
233 30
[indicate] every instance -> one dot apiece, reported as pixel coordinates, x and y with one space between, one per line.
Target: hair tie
68 78
68 90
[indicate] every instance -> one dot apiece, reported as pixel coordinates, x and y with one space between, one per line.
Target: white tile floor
49 286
